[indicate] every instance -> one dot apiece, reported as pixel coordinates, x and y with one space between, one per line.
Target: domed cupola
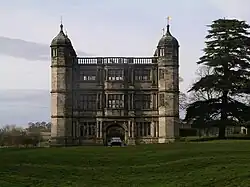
61 39
168 40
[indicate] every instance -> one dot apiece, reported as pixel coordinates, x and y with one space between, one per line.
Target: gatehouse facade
96 98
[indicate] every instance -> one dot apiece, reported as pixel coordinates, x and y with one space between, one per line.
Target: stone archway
115 130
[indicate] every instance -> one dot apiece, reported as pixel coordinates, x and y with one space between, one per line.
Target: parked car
115 141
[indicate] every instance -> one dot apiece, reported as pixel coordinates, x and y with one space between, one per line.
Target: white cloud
23 74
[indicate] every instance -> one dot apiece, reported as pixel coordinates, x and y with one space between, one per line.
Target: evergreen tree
227 52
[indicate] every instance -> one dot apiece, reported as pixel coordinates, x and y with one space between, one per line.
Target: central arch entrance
115 130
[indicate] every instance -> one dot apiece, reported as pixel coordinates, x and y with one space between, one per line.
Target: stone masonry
96 98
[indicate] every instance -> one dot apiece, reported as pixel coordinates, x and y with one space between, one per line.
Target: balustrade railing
116 60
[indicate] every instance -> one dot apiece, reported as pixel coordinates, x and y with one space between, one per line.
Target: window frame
115 74
115 101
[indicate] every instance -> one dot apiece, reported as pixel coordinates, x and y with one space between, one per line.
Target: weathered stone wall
168 85
61 93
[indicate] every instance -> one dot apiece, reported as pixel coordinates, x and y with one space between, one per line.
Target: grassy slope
182 164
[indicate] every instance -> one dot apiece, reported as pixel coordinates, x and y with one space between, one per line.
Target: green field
214 163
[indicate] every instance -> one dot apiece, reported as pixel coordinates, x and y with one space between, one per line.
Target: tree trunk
222 132
222 127
248 131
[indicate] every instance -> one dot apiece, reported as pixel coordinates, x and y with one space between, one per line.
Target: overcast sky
107 27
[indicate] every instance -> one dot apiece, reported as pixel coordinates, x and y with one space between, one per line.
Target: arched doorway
115 130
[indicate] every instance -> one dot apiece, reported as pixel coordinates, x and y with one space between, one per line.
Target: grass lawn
214 163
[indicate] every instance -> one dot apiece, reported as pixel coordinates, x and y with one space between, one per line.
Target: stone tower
168 84
62 58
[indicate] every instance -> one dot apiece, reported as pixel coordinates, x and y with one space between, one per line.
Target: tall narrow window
161 73
81 130
155 128
154 101
54 52
130 130
99 101
86 129
162 52
161 99
92 128
141 129
148 126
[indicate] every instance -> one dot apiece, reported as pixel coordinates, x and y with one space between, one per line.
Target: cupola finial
61 25
168 24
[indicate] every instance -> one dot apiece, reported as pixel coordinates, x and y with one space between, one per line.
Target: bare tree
11 135
203 94
182 98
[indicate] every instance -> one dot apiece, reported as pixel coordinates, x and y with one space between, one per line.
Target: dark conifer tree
227 52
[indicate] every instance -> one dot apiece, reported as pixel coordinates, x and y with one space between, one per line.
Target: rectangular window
99 101
161 100
154 104
88 129
162 52
91 128
142 101
142 74
155 129
115 101
88 102
115 74
161 73
54 52
143 129
88 75
82 131
147 126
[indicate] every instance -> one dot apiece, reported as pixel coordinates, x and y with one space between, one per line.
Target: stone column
101 100
87 126
152 101
97 128
157 129
106 101
126 131
152 128
142 126
77 129
74 129
133 129
101 125
106 74
129 129
132 101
